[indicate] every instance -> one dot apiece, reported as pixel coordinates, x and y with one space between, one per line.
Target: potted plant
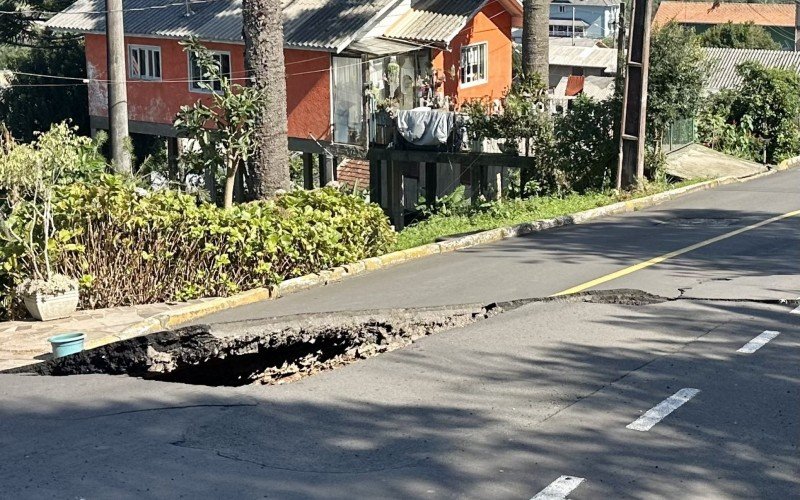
53 298
29 177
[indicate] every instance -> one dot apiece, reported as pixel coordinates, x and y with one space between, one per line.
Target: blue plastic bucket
66 344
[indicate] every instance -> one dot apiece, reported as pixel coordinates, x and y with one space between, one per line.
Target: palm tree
263 40
535 42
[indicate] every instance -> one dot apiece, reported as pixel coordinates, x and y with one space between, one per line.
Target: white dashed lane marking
559 489
657 413
796 311
758 342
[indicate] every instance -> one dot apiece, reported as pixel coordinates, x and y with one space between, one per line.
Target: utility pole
630 168
117 91
573 26
621 44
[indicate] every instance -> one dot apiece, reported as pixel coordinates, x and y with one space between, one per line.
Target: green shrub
585 147
129 246
759 118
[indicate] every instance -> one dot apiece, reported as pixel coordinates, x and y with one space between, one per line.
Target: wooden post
172 159
117 88
325 169
630 168
375 179
395 198
211 184
431 171
308 171
475 182
335 168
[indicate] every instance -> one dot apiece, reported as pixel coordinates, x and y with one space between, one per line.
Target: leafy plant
759 119
584 143
223 130
58 283
738 36
130 246
30 175
678 71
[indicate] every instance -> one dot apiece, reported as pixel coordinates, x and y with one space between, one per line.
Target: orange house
344 59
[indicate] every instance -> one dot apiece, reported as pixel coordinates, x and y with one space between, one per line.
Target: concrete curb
788 163
170 319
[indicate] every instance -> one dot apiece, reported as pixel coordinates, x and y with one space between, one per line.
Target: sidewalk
25 342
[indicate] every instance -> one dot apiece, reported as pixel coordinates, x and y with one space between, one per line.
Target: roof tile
770 14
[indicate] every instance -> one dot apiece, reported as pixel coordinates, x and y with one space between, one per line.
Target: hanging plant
393 71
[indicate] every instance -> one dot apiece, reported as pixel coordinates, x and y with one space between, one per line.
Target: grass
508 213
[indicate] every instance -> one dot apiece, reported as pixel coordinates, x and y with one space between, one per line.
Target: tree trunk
263 40
230 181
535 41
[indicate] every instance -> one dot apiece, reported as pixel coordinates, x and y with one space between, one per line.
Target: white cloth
425 126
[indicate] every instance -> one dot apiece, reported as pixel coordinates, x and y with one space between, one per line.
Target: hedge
130 246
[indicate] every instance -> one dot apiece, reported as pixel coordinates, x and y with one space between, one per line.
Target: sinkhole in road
269 351
284 349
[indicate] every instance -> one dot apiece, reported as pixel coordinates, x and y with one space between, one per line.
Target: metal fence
679 134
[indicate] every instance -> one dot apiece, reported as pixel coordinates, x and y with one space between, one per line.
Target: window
199 81
559 30
562 9
144 62
348 100
473 64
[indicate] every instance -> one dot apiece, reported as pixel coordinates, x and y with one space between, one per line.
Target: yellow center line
666 256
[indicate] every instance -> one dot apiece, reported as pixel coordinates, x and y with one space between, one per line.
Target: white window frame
191 79
485 78
149 77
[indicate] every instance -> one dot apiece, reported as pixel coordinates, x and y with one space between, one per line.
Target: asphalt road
553 399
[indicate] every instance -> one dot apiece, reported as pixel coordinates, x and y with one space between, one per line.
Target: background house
777 18
593 18
568 60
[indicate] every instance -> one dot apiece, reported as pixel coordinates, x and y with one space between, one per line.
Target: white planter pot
49 307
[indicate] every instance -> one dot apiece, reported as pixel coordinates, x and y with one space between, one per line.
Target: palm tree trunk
263 40
535 42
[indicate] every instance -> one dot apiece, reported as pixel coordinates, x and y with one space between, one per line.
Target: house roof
434 21
440 21
598 3
768 14
569 22
313 24
586 57
723 63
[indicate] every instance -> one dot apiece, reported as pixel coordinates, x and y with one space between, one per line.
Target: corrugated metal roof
577 3
569 22
723 63
434 20
375 46
586 57
316 24
768 14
